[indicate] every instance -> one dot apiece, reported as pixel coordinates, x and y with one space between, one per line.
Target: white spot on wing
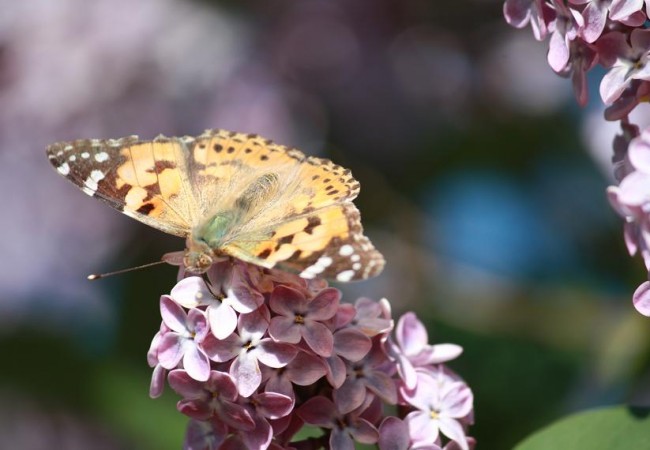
346 250
85 155
318 267
73 157
90 185
63 169
344 276
324 261
101 156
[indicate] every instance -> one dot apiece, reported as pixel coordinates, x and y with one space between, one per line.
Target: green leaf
620 427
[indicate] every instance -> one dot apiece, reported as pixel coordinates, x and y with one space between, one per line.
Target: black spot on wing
145 209
312 222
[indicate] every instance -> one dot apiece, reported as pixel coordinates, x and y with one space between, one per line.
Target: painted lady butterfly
230 194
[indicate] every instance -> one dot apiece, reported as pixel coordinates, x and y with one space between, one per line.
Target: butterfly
230 195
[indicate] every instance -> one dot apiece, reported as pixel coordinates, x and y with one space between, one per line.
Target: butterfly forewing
146 180
306 182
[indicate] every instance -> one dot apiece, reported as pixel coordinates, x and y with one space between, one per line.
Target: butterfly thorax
207 240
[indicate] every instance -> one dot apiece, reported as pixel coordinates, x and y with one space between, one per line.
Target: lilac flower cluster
258 354
611 33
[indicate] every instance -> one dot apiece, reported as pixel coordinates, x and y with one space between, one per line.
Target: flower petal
157 385
319 411
364 432
325 304
243 299
351 344
410 334
305 369
260 436
170 350
350 395
613 46
186 386
236 416
341 440
285 329
595 15
336 371
223 320
319 338
280 385
613 84
517 12
558 52
382 385
620 9
246 373
439 353
222 350
196 363
195 409
640 40
190 292
198 324
454 431
286 301
457 400
222 383
204 435
422 428
273 405
173 315
393 434
275 354
252 326
641 299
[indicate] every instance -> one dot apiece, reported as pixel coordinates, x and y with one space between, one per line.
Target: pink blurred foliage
610 33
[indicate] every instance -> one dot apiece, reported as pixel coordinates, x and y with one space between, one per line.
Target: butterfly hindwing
326 243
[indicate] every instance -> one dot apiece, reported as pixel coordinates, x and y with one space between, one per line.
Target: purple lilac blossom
299 317
440 408
248 349
298 356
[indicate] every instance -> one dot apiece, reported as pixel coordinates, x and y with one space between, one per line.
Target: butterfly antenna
97 276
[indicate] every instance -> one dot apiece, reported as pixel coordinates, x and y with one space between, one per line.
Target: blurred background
482 183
